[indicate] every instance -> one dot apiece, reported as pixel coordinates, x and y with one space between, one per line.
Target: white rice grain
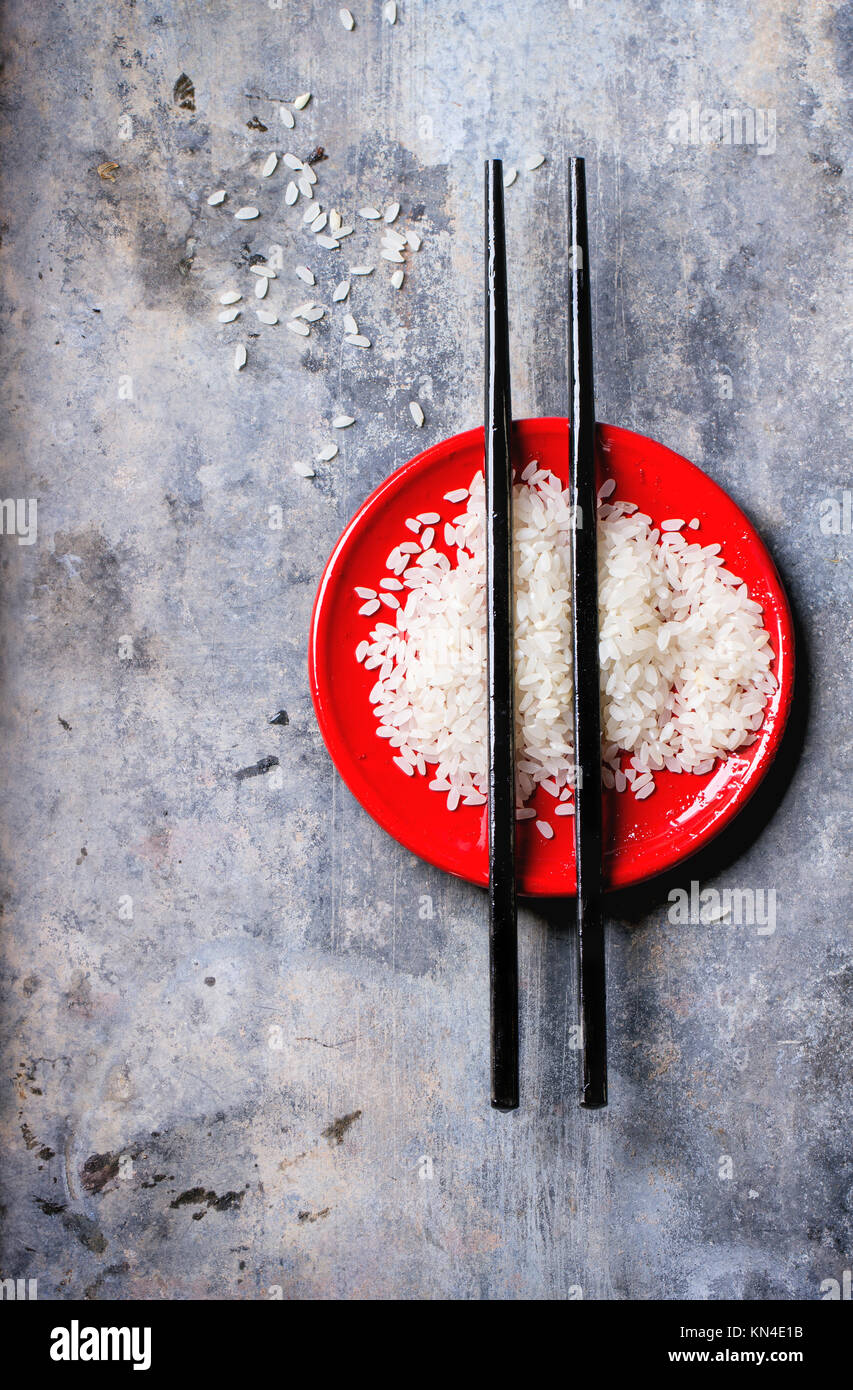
685 660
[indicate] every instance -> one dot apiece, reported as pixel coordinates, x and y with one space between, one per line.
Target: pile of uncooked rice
685 658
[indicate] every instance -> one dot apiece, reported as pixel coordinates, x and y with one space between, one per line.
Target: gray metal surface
163 918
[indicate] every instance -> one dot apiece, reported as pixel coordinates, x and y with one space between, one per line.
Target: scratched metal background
161 1137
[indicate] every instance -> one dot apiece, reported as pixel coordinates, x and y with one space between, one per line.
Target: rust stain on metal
337 1129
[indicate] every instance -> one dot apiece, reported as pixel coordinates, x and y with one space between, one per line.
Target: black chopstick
503 925
587 716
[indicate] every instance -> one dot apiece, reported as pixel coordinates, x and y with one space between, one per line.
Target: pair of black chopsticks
503 929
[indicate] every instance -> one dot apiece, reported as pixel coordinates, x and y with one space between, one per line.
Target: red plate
644 837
